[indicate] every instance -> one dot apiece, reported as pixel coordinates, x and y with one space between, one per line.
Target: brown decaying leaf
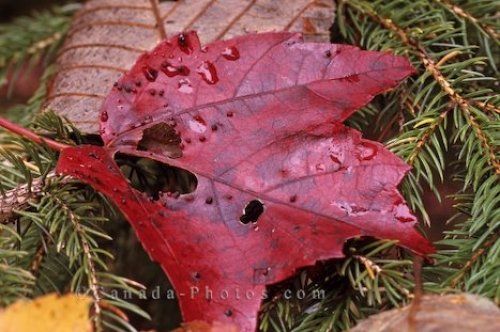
107 36
435 313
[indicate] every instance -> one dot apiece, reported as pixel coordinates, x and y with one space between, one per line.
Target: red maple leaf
282 183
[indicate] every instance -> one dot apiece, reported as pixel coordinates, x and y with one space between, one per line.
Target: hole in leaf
154 178
252 212
161 139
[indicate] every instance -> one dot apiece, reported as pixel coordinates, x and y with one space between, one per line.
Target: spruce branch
460 12
427 134
88 260
474 257
430 65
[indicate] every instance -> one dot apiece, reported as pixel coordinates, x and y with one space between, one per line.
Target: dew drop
208 72
150 73
168 69
320 167
366 151
181 38
402 213
335 159
185 86
198 124
183 43
104 116
231 53
352 78
94 156
171 70
204 49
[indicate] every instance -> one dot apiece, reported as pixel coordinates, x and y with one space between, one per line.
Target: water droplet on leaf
402 213
104 116
231 53
150 73
366 151
185 86
208 72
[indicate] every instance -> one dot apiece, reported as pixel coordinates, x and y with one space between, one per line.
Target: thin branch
93 282
19 197
426 136
475 256
28 134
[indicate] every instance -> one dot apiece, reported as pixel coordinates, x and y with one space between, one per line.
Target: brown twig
417 299
28 134
19 197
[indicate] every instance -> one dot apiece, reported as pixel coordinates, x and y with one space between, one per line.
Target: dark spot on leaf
104 116
161 139
150 73
228 312
209 200
252 212
183 43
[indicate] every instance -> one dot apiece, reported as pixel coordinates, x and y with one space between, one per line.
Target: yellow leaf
49 313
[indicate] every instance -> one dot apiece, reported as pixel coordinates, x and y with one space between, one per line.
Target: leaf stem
28 134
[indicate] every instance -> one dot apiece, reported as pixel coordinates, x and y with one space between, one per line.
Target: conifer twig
430 65
464 14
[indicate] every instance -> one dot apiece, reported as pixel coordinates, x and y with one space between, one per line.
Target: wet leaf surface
281 182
